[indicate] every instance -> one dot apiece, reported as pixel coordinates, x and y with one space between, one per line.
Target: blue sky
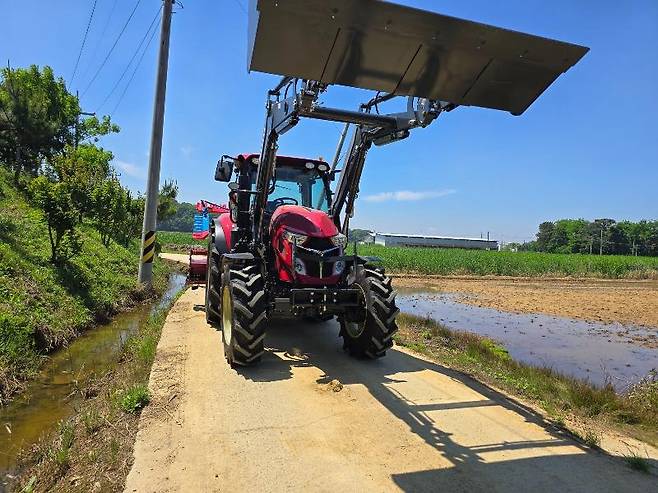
587 148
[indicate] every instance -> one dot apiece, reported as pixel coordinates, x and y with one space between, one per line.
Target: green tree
110 204
37 117
61 215
84 169
183 220
359 235
167 204
545 236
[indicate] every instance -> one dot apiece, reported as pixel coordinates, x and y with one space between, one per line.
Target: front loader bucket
377 45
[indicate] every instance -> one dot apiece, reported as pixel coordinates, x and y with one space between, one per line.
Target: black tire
373 336
213 287
244 307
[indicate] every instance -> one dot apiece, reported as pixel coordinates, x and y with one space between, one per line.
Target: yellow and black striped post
148 250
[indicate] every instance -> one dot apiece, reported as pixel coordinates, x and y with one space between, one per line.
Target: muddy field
632 303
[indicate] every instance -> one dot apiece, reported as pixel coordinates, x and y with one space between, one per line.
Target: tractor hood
298 219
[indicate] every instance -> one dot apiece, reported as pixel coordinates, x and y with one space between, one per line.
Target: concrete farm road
400 423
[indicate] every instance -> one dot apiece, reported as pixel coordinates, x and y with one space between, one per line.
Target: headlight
294 237
339 240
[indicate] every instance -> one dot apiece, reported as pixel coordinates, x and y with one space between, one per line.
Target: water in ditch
51 396
598 352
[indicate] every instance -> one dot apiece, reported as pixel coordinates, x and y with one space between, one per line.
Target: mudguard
218 237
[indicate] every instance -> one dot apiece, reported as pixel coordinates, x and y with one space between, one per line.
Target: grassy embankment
92 451
441 261
43 306
562 397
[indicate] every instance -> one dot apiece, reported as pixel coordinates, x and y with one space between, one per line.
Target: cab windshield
298 186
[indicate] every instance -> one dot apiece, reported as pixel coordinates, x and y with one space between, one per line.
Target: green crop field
175 238
482 263
454 261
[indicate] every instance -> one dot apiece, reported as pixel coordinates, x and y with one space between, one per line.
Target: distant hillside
183 220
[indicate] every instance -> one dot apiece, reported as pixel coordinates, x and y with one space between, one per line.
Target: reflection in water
51 396
596 352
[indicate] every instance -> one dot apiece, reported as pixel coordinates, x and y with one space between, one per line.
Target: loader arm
283 114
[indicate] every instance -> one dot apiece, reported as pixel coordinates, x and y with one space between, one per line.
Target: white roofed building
396 239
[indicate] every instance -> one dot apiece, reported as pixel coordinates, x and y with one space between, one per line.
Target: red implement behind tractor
281 247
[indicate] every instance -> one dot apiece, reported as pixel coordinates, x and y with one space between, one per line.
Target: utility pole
153 182
77 121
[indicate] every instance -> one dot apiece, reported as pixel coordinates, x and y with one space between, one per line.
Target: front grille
313 268
323 245
320 244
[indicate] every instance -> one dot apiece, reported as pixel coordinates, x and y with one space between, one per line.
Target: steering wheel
282 201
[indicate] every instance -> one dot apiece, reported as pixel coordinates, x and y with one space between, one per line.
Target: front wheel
244 314
371 335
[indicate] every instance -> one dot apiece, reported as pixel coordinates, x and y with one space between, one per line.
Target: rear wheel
213 286
371 334
244 314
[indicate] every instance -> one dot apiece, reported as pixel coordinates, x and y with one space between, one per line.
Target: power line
84 40
112 49
100 39
125 70
132 76
241 6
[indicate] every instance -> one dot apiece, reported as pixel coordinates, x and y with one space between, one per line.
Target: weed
592 439
114 450
419 347
91 420
134 399
29 486
59 454
637 463
92 456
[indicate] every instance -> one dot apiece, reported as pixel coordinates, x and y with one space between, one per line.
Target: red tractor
282 247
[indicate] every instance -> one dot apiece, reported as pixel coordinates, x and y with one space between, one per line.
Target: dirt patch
626 302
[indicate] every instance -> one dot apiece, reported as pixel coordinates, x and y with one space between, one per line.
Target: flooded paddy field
532 324
52 396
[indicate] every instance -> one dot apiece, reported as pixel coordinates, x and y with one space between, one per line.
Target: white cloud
130 169
187 151
408 195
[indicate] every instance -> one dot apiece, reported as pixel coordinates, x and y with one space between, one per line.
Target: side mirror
224 169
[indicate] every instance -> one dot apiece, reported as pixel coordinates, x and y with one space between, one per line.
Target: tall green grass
444 261
177 238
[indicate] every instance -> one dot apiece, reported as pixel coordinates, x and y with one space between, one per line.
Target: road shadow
292 344
575 473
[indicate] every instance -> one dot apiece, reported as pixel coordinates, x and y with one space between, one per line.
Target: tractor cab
296 181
